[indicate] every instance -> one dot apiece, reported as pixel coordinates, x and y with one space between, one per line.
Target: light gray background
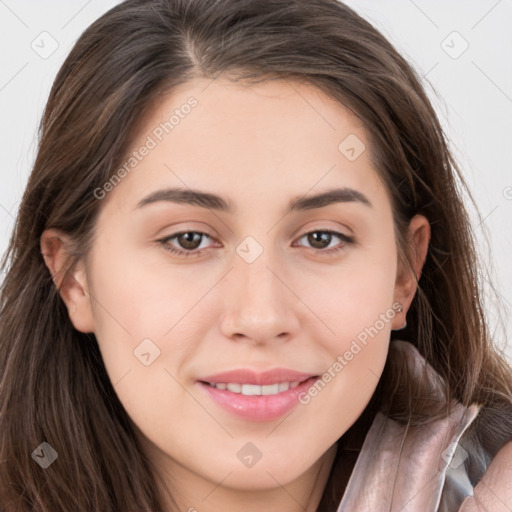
470 87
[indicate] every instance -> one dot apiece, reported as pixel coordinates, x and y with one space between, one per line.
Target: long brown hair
54 387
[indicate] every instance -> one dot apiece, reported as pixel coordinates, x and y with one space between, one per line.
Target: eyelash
347 240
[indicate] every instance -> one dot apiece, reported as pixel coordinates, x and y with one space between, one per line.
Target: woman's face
259 284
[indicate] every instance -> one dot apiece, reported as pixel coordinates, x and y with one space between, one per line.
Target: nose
259 305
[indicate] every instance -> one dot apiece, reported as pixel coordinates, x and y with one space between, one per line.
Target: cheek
142 309
357 307
143 331
360 316
352 296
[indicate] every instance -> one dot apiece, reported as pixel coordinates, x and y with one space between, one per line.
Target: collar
405 468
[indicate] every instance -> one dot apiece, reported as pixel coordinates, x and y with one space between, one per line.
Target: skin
294 306
494 490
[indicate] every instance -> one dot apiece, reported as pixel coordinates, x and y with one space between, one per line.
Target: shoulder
494 490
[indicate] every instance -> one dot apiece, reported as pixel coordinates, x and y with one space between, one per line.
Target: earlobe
408 276
69 277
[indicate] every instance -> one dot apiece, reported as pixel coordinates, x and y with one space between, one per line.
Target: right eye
189 242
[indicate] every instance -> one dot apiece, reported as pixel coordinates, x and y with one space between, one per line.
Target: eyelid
323 224
329 230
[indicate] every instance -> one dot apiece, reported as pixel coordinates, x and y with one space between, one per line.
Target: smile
253 402
254 389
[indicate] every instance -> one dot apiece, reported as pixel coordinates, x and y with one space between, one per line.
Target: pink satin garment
415 468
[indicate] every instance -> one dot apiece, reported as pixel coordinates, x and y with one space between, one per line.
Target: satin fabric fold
405 468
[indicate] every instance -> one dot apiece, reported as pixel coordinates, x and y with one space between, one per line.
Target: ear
70 282
407 278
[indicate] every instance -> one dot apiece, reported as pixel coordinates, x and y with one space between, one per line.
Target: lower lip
258 407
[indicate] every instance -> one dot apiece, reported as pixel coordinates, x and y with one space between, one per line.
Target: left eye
322 239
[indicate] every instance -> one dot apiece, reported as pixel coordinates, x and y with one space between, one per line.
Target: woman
242 277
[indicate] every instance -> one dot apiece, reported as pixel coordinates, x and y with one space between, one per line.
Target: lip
258 408
248 376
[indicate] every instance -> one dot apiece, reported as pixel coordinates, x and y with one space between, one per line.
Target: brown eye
322 240
319 239
190 240
186 243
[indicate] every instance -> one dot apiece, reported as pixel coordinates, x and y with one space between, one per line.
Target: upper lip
248 376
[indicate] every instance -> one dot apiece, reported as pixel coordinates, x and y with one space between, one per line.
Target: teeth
251 389
254 389
235 388
271 389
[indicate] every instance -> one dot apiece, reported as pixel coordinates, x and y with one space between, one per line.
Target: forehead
269 140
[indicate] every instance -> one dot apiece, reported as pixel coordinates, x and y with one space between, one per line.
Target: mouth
254 389
254 402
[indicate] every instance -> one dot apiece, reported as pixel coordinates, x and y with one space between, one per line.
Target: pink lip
258 407
247 376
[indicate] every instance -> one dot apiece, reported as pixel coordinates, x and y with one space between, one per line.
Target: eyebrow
218 203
